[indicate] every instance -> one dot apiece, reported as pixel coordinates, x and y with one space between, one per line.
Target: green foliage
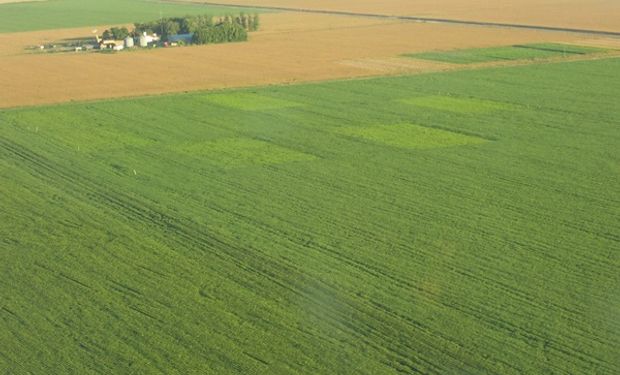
237 152
248 22
516 52
169 27
255 23
117 33
223 32
249 101
226 29
202 36
164 27
332 228
192 24
41 15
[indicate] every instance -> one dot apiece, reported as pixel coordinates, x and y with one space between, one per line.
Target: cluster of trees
225 31
116 33
204 27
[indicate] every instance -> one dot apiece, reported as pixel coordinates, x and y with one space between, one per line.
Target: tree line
205 28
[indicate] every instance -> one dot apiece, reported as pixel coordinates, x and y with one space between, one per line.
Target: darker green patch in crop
507 53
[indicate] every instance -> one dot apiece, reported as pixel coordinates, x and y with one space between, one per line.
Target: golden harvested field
290 48
591 14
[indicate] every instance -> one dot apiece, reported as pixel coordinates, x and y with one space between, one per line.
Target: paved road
430 20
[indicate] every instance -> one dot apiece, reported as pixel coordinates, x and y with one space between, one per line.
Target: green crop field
449 223
56 14
507 53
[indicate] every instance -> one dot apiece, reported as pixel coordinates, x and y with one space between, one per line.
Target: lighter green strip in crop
240 152
250 102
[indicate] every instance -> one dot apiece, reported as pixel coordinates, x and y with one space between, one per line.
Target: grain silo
143 41
129 42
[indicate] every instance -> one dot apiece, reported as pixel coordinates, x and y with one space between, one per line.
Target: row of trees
224 29
220 33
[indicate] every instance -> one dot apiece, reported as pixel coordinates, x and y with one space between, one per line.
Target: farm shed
111 44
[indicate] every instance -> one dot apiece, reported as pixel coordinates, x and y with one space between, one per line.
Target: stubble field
592 14
462 222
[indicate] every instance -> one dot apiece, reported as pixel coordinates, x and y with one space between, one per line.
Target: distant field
56 14
592 14
454 223
510 53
